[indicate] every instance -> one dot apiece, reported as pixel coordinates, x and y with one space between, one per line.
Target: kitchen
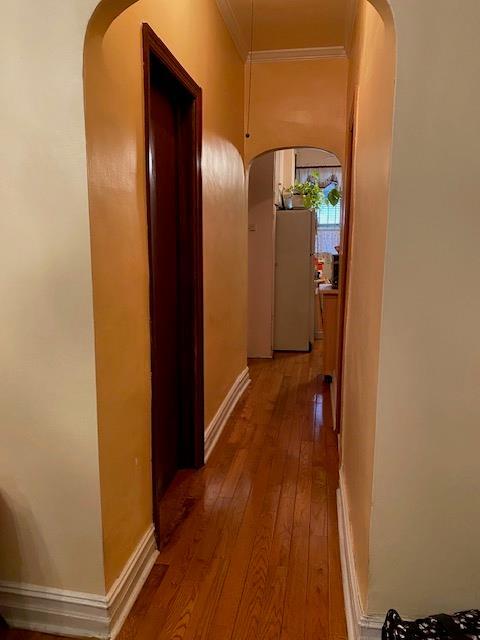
294 233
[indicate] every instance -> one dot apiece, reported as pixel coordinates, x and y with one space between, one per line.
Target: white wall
284 172
261 229
410 447
49 479
424 551
316 158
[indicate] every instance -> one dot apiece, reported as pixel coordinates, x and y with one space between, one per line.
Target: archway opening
294 235
127 310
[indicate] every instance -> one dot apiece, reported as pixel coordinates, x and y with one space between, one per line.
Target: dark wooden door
174 205
165 255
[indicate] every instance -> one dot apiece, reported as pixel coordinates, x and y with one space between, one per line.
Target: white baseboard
76 614
124 591
359 625
56 611
217 425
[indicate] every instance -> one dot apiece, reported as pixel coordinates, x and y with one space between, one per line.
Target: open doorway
295 231
173 146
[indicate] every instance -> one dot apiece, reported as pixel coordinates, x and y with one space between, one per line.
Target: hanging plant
331 191
334 196
313 192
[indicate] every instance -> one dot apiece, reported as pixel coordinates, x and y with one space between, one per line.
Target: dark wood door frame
190 278
344 266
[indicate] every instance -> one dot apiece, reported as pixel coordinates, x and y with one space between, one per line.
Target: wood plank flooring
251 551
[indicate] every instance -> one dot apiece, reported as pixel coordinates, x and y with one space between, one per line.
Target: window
328 216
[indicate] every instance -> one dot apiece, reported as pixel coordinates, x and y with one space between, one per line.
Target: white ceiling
288 24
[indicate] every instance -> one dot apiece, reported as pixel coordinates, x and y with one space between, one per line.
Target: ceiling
288 24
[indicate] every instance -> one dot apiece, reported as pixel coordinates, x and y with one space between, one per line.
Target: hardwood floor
253 549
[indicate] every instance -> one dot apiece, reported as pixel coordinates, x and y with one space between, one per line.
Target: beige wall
49 477
414 528
261 228
195 33
298 104
425 527
371 77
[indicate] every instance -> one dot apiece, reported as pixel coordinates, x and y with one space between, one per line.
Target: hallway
254 552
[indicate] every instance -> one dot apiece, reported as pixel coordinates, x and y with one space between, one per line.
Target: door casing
189 266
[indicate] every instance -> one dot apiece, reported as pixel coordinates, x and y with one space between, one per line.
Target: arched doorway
128 257
293 251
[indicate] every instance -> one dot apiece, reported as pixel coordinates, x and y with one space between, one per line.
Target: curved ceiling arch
313 147
106 11
384 8
104 14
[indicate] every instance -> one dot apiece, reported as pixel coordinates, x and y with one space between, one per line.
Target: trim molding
72 613
284 55
124 591
359 625
233 27
219 421
272 55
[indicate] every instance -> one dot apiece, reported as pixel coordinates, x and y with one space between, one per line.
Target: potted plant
310 194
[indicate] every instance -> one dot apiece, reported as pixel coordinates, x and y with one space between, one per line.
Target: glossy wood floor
252 549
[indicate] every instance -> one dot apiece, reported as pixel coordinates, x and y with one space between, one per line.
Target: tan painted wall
261 226
49 477
426 521
195 33
372 73
298 104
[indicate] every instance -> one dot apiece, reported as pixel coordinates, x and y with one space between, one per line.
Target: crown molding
274 55
284 55
233 27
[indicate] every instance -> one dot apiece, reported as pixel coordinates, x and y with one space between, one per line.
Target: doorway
295 225
173 134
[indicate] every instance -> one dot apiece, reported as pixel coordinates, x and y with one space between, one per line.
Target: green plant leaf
334 197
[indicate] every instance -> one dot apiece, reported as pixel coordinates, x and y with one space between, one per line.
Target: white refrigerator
293 327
